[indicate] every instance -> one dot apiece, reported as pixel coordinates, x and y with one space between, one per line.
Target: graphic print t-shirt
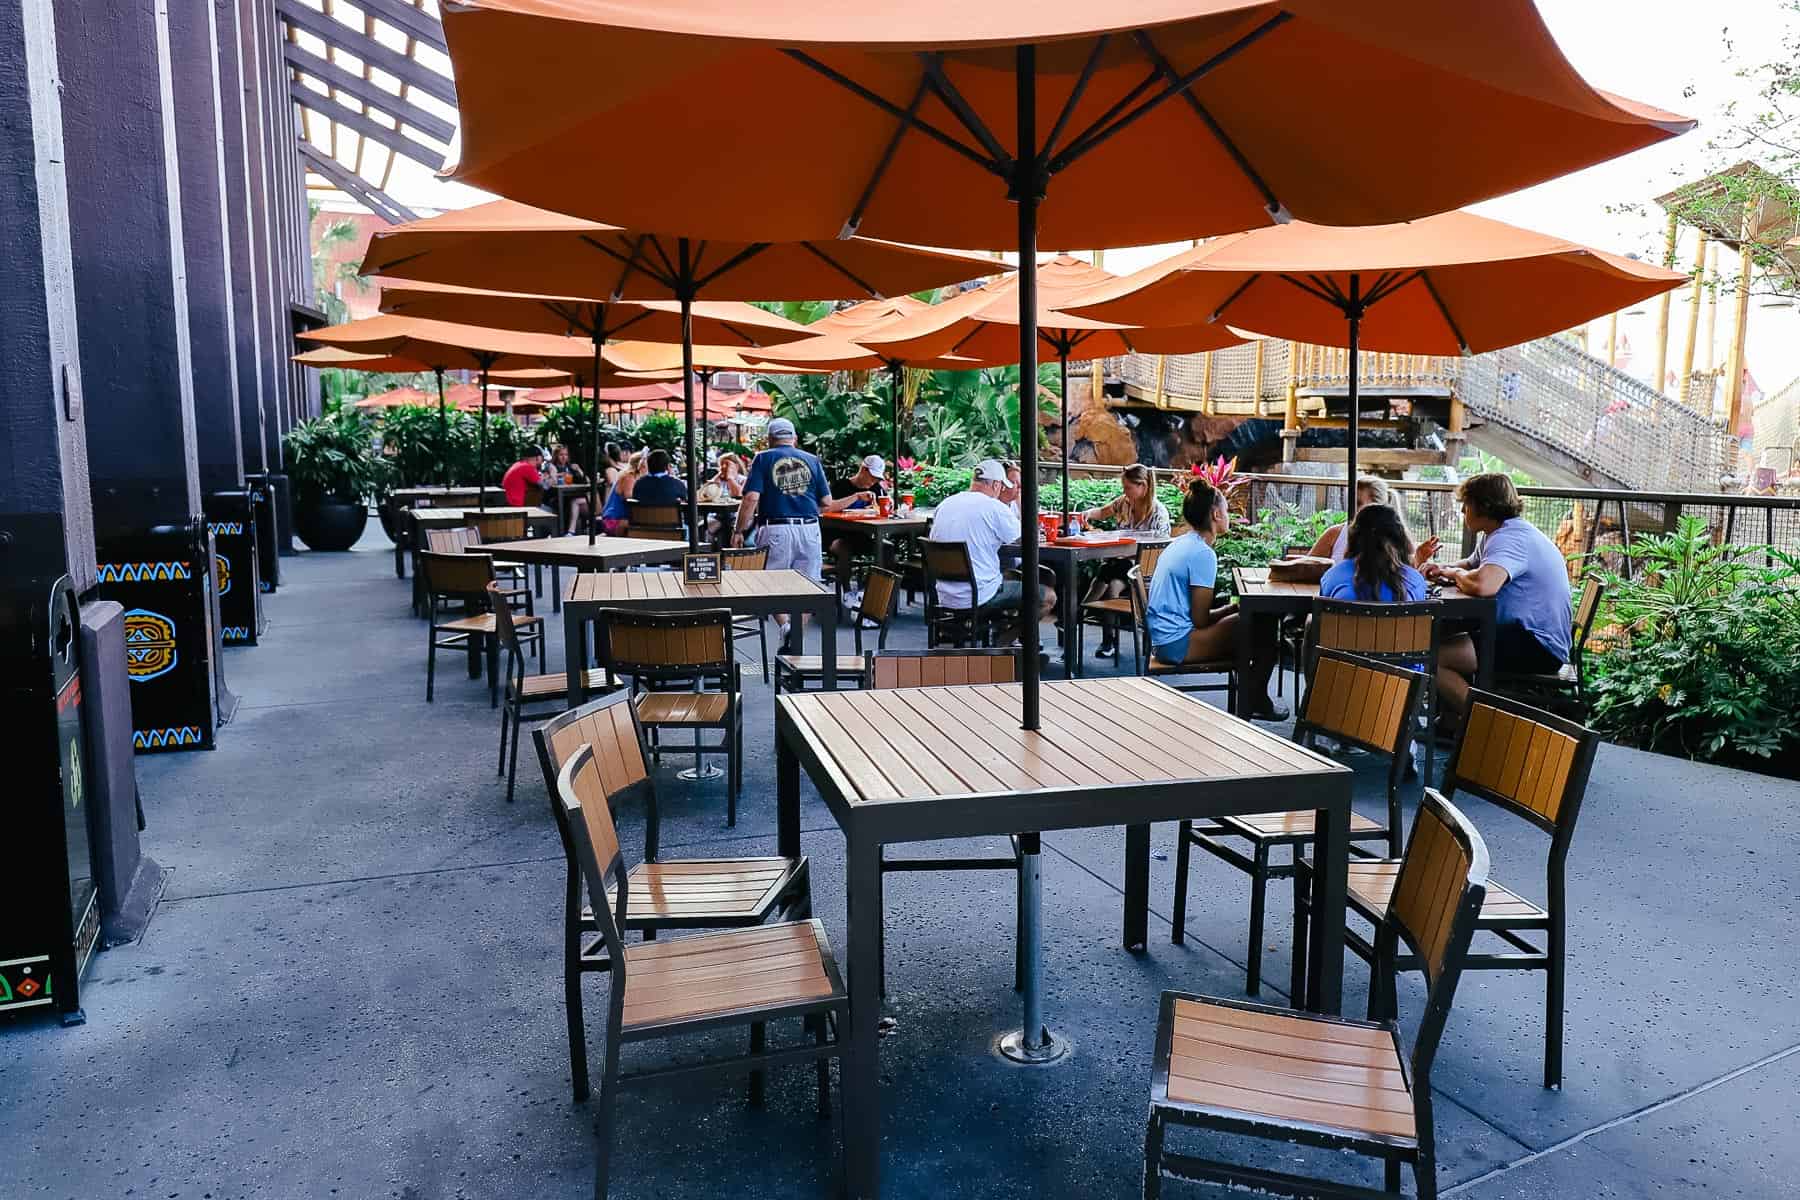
790 482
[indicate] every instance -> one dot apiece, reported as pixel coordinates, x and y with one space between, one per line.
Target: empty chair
1402 635
750 558
523 692
464 539
657 521
1148 666
463 579
1258 1071
741 977
1121 612
1359 702
675 661
501 527
682 893
881 588
1534 765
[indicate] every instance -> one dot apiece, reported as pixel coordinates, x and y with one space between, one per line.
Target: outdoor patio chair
1285 1077
946 668
1359 702
948 562
503 527
880 591
1402 635
661 652
1120 612
1149 667
1534 765
696 984
524 692
459 540
1567 685
750 558
677 893
662 521
452 579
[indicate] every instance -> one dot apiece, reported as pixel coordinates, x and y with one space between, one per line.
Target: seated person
518 477
1134 510
1334 542
1378 566
1527 575
727 482
870 480
1184 625
615 515
981 520
658 486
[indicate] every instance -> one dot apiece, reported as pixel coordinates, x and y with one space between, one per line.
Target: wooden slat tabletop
455 516
934 742
1255 581
648 587
576 549
910 524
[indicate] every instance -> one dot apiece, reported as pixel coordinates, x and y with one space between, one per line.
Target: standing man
783 496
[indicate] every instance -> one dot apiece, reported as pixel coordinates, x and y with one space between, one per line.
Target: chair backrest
456 574
582 795
745 558
946 562
1147 554
940 668
656 516
534 494
1528 761
1437 897
1587 607
497 527
1387 631
1139 579
503 623
881 588
1361 700
1296 551
665 643
609 727
452 540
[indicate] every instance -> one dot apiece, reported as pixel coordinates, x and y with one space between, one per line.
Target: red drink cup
886 506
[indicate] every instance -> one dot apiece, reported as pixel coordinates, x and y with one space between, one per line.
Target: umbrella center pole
593 514
685 290
1033 1044
1353 310
481 453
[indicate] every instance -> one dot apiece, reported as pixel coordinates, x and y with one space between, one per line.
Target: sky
1669 53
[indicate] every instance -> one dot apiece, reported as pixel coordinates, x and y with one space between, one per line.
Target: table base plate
693 774
1012 1048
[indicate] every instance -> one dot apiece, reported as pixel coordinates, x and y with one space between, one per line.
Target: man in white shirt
983 522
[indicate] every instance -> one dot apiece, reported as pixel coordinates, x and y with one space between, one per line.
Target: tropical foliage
1259 542
661 431
1699 651
329 459
571 423
419 446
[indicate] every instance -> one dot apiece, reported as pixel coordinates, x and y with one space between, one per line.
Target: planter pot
327 525
390 520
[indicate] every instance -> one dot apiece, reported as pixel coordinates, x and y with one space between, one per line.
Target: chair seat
1277 1067
1116 606
1218 666
703 891
1293 826
681 708
812 665
1371 883
542 687
1565 677
692 978
484 623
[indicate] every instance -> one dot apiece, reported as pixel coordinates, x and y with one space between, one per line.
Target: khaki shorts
793 548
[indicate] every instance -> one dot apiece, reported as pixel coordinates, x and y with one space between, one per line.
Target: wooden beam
413 22
352 184
1369 457
1693 321
374 130
369 92
336 33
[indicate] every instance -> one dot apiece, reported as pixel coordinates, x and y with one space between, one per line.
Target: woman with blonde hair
1134 510
615 518
1334 543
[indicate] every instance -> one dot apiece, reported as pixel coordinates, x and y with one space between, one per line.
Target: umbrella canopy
1453 283
720 322
466 397
1220 113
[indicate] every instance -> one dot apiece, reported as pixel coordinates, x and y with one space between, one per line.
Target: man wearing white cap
783 495
870 478
983 522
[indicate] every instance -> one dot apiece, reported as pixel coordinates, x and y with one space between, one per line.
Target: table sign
700 568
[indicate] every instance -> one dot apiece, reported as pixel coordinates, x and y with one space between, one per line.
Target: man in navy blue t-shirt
784 494
659 487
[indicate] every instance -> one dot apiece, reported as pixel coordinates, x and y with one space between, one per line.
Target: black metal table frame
577 615
400 504
868 827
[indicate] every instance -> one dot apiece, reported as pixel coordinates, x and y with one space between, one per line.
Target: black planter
328 525
390 520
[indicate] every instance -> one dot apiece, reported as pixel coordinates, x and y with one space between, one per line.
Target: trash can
163 578
231 519
262 505
52 904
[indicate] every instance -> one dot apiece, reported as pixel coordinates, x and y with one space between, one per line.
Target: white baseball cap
875 466
989 470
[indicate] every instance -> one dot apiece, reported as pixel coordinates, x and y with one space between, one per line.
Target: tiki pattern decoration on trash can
163 582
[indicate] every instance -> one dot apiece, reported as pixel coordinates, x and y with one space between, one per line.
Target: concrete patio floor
352 986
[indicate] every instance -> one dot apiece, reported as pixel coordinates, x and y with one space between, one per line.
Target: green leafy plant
331 459
1698 653
571 423
661 431
1260 542
422 447
839 425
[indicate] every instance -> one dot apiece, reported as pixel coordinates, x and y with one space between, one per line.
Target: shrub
1260 542
662 431
1698 653
330 458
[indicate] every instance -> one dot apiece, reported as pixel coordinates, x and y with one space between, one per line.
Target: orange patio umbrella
653 360
984 325
512 247
1456 283
992 124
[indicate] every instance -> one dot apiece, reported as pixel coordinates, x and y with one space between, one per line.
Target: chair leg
603 1120
578 1064
820 1023
758 1077
492 649
505 714
1425 1171
881 928
1153 1148
1297 975
430 664
762 644
1553 1006
1177 930
1259 888
512 767
1384 990
734 750
1391 1175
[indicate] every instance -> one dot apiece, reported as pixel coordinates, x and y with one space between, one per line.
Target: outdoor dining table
745 593
920 764
1064 556
877 528
1258 595
574 550
564 493
418 520
401 500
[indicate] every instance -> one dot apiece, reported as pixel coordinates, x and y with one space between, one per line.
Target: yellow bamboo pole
1712 307
1693 317
1097 386
1662 315
1734 389
1206 403
1162 367
1256 379
1612 340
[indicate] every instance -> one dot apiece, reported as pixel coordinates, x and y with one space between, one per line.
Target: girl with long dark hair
1377 562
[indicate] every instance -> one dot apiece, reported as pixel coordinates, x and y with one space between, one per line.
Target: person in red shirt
517 476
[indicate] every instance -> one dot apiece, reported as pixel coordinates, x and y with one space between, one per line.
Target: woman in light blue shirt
1184 625
1377 563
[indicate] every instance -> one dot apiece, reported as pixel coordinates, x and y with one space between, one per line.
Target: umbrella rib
907 120
1094 135
1462 343
642 314
674 273
557 308
889 107
959 107
1076 145
734 331
842 270
1200 110
1387 285
1313 289
1075 94
631 263
731 264
1232 299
